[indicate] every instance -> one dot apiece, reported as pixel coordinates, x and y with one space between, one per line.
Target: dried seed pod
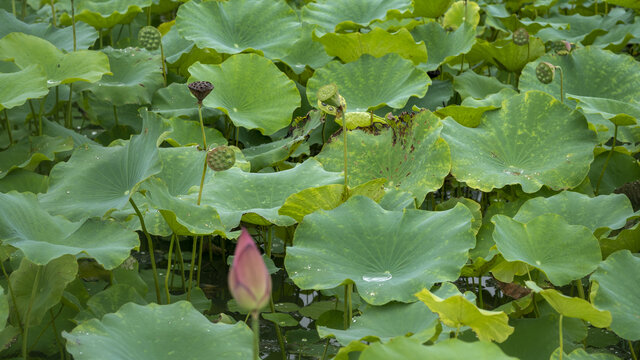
149 38
521 37
545 72
200 89
221 158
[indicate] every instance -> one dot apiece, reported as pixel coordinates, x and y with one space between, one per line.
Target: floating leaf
20 86
402 348
370 83
158 332
232 27
357 242
613 289
280 319
564 252
251 90
413 159
511 146
442 45
456 311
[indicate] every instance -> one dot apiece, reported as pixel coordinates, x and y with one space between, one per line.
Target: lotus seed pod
331 110
221 158
545 72
561 47
149 38
328 94
200 89
521 37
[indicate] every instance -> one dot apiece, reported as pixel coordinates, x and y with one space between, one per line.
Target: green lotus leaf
52 128
176 100
627 239
618 112
580 354
370 83
280 319
431 8
257 197
333 16
306 52
572 306
49 282
176 331
417 162
186 133
251 90
357 242
356 119
22 180
381 323
99 179
236 26
42 237
577 28
60 68
494 100
456 311
510 146
110 300
473 85
621 168
451 349
443 45
462 12
103 14
327 197
564 252
4 309
472 205
137 74
464 115
378 42
29 152
610 76
507 55
615 291
600 212
20 86
62 38
626 3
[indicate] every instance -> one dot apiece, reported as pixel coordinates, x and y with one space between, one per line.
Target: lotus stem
345 192
596 6
480 299
73 25
13 8
632 350
6 118
267 251
181 260
67 119
156 282
169 272
164 69
55 331
560 335
204 144
578 283
193 264
199 261
561 84
115 114
53 12
24 9
606 162
25 334
255 324
457 331
11 293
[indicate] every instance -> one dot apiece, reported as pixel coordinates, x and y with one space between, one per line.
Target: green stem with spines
193 264
169 258
255 325
164 69
6 118
25 333
560 336
156 282
345 191
204 144
606 162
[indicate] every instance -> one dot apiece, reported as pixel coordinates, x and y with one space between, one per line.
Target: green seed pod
545 72
521 37
329 98
221 158
561 47
149 38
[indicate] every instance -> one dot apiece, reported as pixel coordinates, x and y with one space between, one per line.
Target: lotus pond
362 179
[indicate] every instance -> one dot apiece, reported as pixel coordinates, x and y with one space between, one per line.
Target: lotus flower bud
545 72
221 158
249 279
149 38
521 37
200 89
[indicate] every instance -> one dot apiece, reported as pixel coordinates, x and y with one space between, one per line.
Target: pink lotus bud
249 280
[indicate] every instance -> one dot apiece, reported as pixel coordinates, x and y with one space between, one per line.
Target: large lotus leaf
24 181
176 100
416 161
617 278
181 168
610 76
620 113
511 145
564 252
572 306
443 45
577 28
31 151
621 168
98 179
456 311
333 16
235 26
175 46
580 354
464 115
61 68
20 86
627 239
381 323
49 281
473 85
176 331
431 8
251 90
137 74
259 196
452 349
605 211
103 14
42 237
370 83
62 38
378 42
358 242
306 52
186 133
507 55
462 12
